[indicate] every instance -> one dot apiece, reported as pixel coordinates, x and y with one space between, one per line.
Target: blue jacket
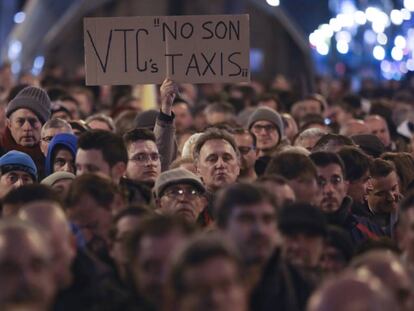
69 141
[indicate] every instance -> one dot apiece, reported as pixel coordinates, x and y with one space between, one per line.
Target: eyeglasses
245 150
145 157
334 180
176 192
267 128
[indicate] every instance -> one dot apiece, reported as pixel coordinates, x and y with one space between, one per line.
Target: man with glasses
16 169
335 203
25 114
144 164
50 129
267 126
180 192
246 142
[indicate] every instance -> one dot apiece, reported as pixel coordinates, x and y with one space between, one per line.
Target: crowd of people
222 197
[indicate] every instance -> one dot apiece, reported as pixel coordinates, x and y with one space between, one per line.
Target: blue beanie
18 161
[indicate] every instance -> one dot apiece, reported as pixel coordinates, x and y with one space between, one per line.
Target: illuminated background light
400 42
343 36
410 64
382 38
19 17
360 18
342 47
396 17
409 5
378 52
322 48
369 36
273 2
397 53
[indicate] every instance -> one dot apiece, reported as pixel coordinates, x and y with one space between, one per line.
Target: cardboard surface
141 50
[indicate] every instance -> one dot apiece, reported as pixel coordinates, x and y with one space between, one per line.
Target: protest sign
193 49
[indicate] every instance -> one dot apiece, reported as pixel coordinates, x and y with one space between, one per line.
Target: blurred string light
273 2
38 63
19 17
382 30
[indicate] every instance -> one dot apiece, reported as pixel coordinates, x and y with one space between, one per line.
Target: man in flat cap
180 192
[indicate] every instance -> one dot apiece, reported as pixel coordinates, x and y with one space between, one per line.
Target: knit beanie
18 161
56 176
32 98
267 114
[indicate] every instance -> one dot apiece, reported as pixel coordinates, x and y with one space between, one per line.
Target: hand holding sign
169 89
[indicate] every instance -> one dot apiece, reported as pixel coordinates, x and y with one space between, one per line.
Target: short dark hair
157 226
356 162
291 165
332 140
243 131
274 178
138 134
109 144
381 168
325 158
404 166
236 195
199 250
30 193
101 189
220 107
211 134
134 210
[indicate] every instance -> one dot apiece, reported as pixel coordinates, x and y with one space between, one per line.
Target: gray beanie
267 114
34 99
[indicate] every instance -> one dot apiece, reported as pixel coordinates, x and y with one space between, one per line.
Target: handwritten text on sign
194 49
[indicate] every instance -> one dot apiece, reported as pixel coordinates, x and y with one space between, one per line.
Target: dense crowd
220 197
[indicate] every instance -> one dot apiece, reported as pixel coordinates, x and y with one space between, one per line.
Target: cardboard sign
193 49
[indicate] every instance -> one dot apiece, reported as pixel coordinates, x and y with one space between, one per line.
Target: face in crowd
378 127
12 180
25 127
385 194
333 187
183 200
143 161
218 164
26 280
213 284
247 151
253 229
266 134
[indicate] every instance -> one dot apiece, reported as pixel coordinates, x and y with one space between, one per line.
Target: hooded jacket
68 141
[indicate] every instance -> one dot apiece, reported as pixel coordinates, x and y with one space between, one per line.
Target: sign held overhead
193 49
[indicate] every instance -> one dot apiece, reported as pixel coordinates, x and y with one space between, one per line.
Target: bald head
354 127
46 214
49 216
356 292
379 127
387 267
